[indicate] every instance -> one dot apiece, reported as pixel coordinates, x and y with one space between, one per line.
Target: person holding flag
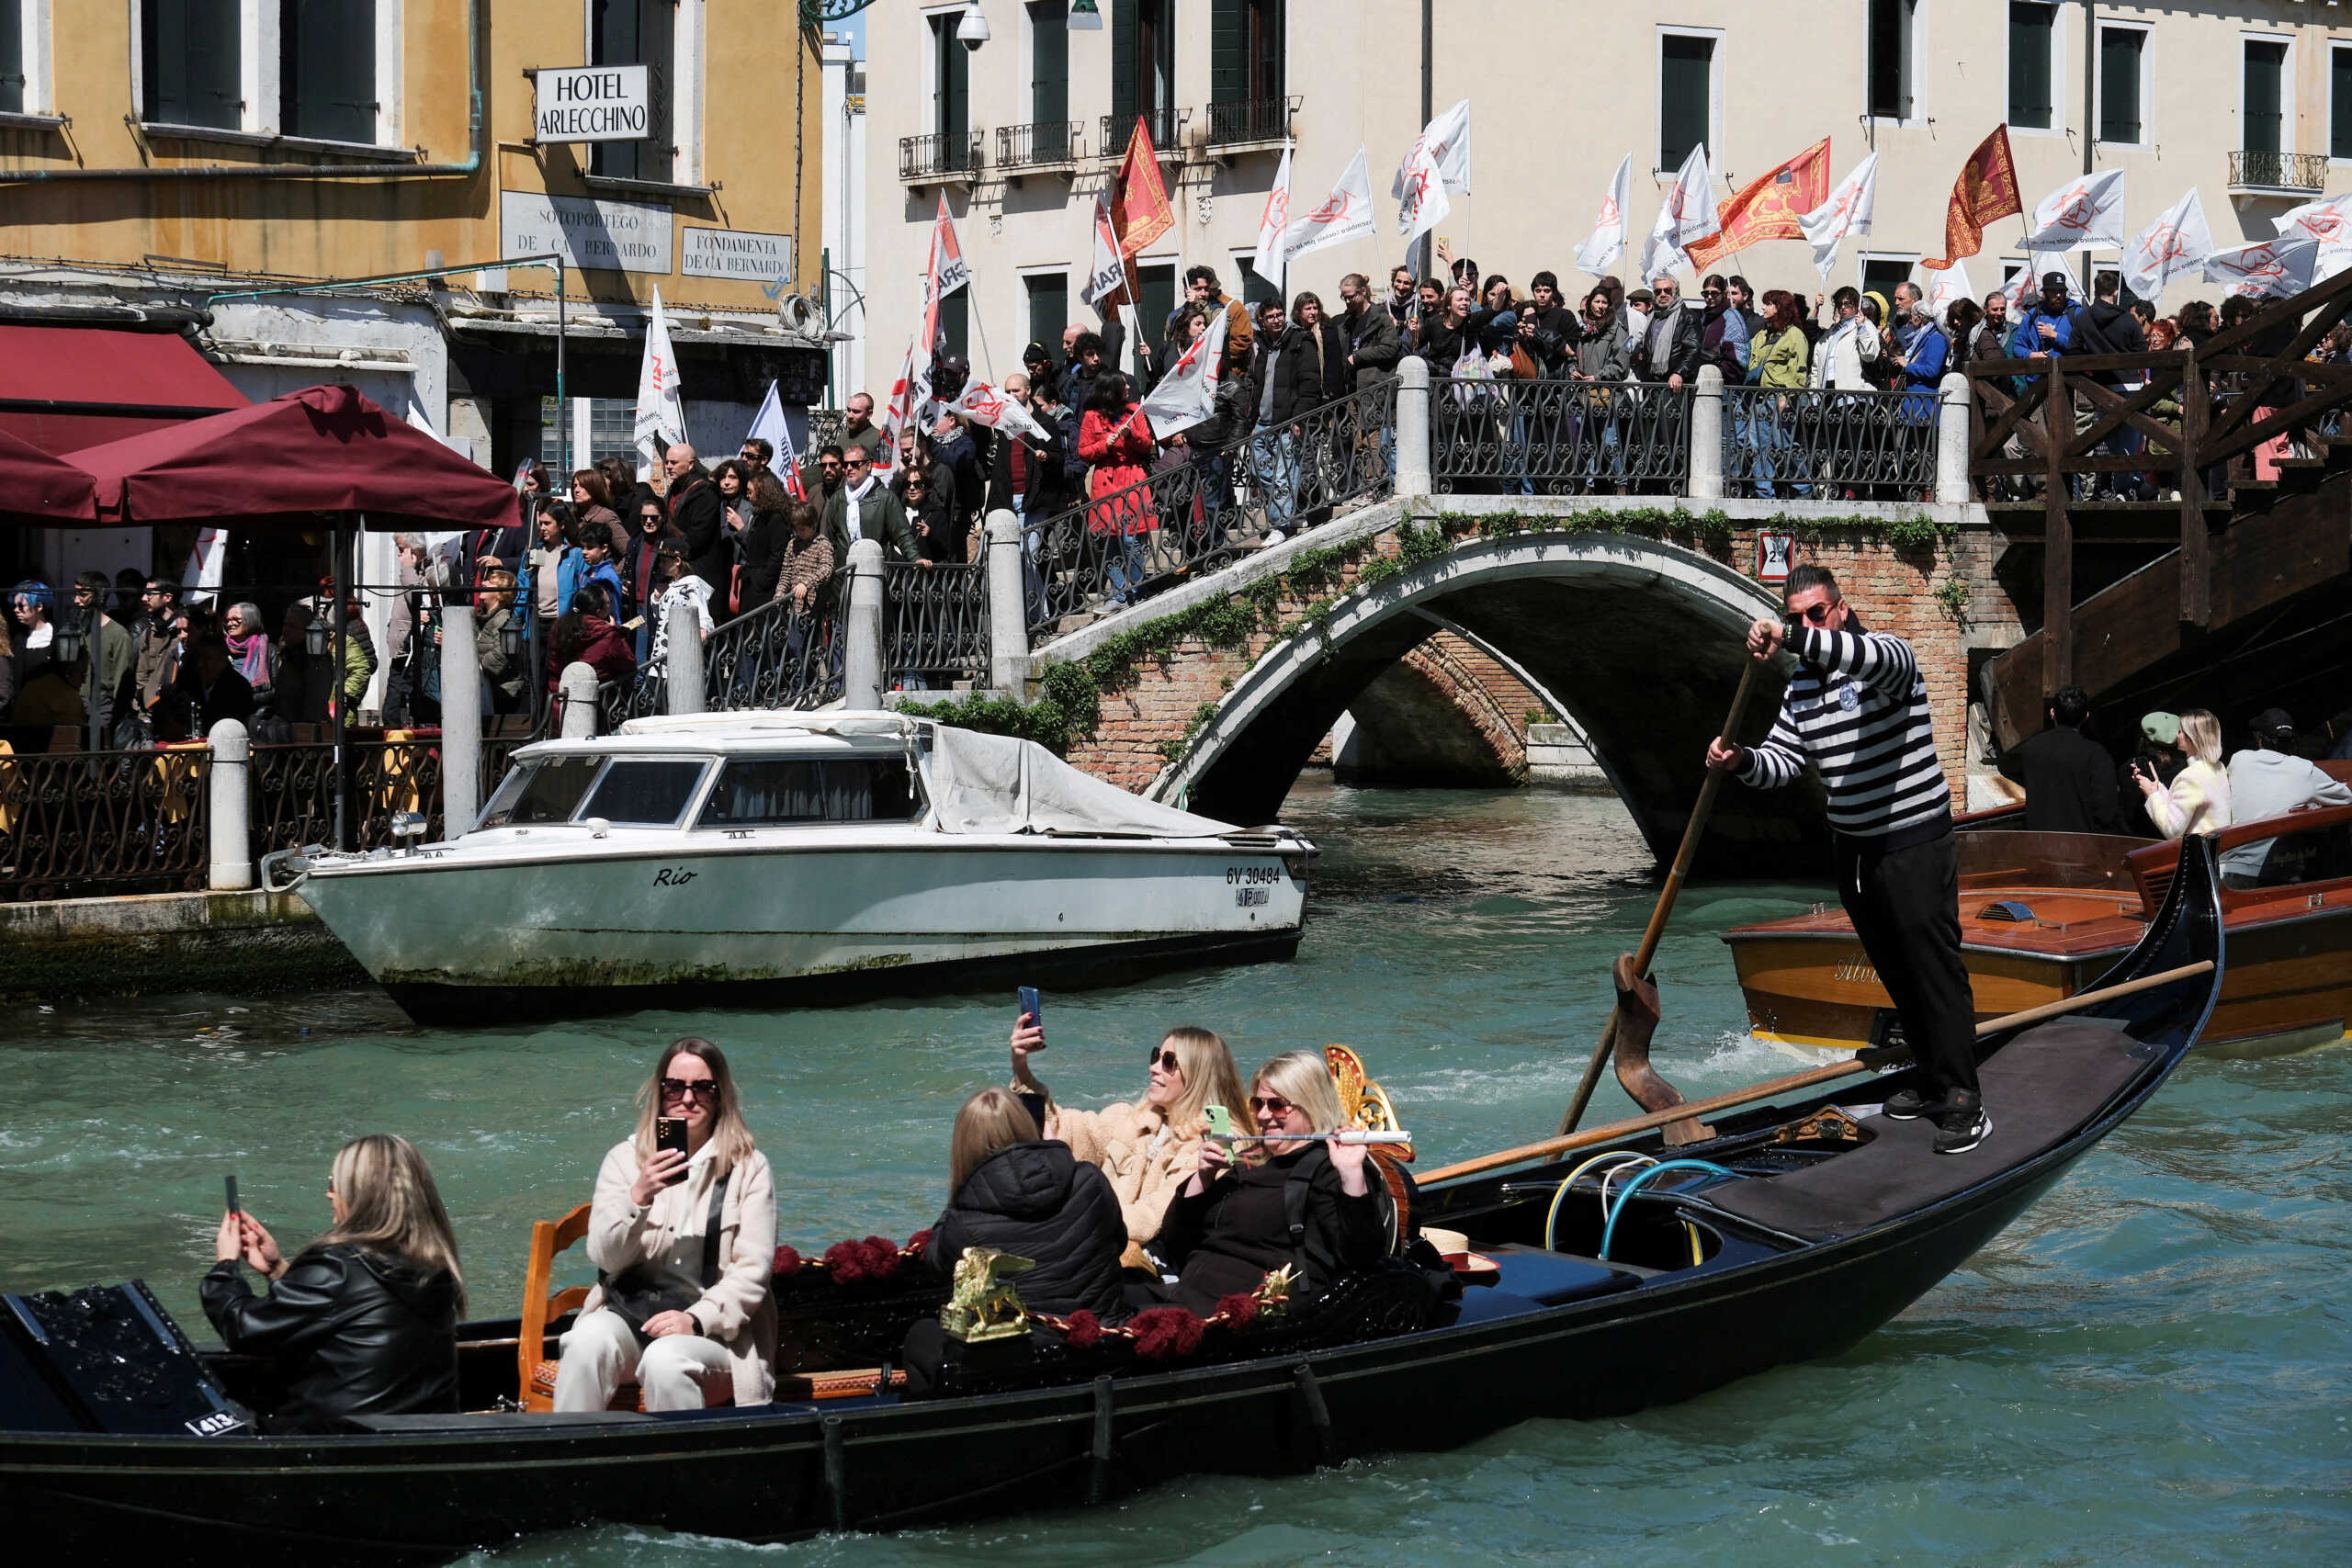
1115 438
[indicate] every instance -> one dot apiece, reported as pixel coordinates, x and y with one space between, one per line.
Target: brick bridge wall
1894 591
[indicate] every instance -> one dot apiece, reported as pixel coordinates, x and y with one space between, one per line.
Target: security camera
973 31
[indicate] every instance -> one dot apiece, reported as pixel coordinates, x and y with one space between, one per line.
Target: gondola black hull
427 1489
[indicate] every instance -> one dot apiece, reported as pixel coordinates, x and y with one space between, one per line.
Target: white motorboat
748 858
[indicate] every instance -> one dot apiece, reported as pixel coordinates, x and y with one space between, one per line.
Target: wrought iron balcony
2299 174
1046 144
942 158
1165 125
1250 122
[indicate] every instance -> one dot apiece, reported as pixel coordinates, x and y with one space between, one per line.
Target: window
1050 61
2123 57
2034 43
951 78
778 791
189 63
1048 308
1686 95
636 32
2339 103
327 69
1143 70
651 793
540 792
1245 50
2262 107
1881 274
1157 285
1255 290
956 323
18 48
1891 24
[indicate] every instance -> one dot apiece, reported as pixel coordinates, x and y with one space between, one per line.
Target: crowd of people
1135 1206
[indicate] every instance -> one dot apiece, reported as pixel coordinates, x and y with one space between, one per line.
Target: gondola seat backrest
535 1368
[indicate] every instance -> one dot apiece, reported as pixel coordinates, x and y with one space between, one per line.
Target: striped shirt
1857 709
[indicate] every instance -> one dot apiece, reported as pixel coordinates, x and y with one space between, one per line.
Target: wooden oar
1666 897
1863 1061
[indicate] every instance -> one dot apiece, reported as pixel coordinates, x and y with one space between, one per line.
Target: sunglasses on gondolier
1817 614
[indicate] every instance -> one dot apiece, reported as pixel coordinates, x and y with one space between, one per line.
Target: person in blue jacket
551 552
596 569
1921 352
2048 328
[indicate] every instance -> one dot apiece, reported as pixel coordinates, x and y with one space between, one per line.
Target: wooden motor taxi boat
2042 915
1689 1273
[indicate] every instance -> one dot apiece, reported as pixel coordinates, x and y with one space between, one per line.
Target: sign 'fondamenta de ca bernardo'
594 236
736 253
594 103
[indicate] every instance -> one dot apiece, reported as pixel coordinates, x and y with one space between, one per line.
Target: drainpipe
467 167
2090 113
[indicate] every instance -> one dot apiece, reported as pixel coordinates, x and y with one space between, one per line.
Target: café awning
66 388
294 463
42 489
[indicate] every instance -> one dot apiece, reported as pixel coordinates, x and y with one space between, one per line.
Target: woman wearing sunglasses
1230 1224
1147 1147
683 1246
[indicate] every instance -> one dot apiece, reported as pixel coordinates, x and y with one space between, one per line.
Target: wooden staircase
2239 597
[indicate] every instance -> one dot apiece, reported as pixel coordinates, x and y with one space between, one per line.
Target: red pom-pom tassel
845 1261
787 1262
1240 1309
1162 1333
1085 1330
881 1258
918 1243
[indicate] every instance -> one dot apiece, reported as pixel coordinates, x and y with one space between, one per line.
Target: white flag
2175 245
1422 194
983 404
1187 394
2084 214
1445 141
948 270
1106 274
1946 286
2274 267
1268 263
1686 217
2027 288
908 394
2329 222
1848 211
1346 214
661 400
201 579
1600 253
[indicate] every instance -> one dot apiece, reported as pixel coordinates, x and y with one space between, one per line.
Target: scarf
250 656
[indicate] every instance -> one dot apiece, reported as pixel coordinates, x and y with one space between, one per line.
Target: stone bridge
1433 621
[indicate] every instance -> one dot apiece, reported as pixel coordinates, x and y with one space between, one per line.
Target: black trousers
1905 907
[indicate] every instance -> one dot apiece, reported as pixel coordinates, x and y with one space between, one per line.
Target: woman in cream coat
1152 1146
651 1215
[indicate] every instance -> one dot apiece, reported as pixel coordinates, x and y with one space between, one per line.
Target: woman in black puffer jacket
1033 1198
363 1321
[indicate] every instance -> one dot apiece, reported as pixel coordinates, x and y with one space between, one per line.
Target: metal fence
293 791
775 658
934 624
1812 442
77 823
1196 516
1043 144
1558 438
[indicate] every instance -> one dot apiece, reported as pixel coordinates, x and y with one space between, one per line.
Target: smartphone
1220 1121
232 1197
669 1132
1032 1007
1035 1105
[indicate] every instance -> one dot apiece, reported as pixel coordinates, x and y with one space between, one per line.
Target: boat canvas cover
995 784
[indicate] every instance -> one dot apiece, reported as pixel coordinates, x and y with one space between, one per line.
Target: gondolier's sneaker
1964 1123
1908 1105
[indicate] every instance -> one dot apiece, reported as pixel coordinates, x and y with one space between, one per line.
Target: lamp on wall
1085 16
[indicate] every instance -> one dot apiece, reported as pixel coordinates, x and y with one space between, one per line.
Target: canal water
2154 1366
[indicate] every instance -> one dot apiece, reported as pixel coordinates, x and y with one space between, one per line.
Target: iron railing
1814 443
773 658
1557 437
1129 544
293 791
1045 144
75 823
1165 125
1246 121
934 624
941 155
2280 170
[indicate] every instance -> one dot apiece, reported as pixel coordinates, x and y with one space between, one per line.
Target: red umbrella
280 465
41 489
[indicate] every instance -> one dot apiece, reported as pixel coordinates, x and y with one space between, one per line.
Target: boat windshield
540 792
648 793
1998 859
756 792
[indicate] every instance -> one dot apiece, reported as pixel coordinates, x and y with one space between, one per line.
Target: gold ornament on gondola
982 1303
1363 1104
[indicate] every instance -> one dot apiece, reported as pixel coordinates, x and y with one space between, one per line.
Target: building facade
842 291
2250 104
163 159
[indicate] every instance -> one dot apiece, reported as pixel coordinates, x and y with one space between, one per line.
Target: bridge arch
1640 639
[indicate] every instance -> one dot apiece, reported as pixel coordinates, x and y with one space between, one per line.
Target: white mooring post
460 720
1951 441
231 869
1412 426
682 674
1008 607
577 689
861 662
1707 435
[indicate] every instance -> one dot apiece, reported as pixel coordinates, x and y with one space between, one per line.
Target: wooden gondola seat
535 1368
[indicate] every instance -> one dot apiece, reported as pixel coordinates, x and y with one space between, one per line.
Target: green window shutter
12 64
327 69
2029 39
1686 81
1157 286
2119 83
1048 309
1126 38
1274 21
1228 51
2265 65
1050 61
2339 102
190 62
955 318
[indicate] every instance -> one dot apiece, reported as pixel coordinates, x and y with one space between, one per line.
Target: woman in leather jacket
363 1321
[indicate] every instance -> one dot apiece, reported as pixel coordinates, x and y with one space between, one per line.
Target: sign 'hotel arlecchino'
593 103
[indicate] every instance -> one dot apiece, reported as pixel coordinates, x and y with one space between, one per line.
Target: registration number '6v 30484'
1249 897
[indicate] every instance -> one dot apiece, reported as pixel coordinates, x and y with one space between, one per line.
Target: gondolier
1857 709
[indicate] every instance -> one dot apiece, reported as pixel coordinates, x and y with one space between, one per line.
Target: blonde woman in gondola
1152 1145
2197 799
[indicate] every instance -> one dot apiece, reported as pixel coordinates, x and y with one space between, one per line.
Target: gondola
1827 1221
